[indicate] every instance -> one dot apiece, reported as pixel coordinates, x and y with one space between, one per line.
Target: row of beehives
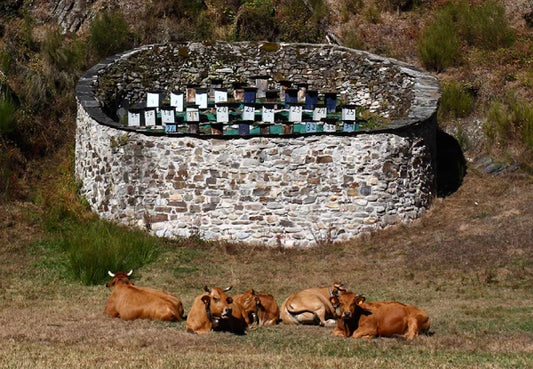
287 115
228 118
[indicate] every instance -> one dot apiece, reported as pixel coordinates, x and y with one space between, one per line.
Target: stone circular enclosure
274 189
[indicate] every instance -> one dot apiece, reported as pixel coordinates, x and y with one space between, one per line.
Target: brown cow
357 318
268 310
214 310
248 303
311 306
128 301
258 308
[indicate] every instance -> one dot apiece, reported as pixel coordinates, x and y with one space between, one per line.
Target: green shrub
5 61
12 165
372 12
455 101
301 21
85 251
349 8
352 39
439 45
255 21
483 25
510 120
109 34
61 54
7 116
26 32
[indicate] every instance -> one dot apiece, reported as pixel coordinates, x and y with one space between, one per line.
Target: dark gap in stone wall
451 164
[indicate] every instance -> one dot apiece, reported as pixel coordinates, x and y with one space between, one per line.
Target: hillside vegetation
468 262
481 51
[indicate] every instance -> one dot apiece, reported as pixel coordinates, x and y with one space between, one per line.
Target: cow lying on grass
357 318
311 306
258 308
128 301
214 310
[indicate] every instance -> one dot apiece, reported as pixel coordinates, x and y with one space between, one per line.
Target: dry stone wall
277 191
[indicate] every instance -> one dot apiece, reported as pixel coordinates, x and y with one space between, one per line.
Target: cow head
119 277
348 311
251 303
217 304
346 304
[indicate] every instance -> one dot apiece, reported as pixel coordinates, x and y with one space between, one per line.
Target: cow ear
206 299
334 300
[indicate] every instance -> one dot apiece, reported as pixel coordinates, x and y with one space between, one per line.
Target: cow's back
304 306
174 303
130 302
390 318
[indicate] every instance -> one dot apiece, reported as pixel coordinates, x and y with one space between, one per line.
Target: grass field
468 262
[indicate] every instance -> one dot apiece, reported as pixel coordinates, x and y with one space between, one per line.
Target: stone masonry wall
276 191
370 81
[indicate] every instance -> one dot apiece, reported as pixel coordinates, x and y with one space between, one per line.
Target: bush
255 21
372 12
301 21
352 39
61 54
439 45
481 25
109 34
7 116
455 101
484 25
510 120
349 8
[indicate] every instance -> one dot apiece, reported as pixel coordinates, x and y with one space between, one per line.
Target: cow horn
110 274
130 273
228 288
207 289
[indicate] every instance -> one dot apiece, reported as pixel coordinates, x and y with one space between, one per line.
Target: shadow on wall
451 164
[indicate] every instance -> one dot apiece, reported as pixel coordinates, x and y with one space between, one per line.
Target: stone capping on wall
426 93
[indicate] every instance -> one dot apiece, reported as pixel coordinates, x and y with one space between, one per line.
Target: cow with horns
215 310
357 318
128 301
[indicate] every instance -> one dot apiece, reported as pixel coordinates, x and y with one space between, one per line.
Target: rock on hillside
75 15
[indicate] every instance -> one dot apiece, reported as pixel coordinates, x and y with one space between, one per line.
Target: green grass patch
85 251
